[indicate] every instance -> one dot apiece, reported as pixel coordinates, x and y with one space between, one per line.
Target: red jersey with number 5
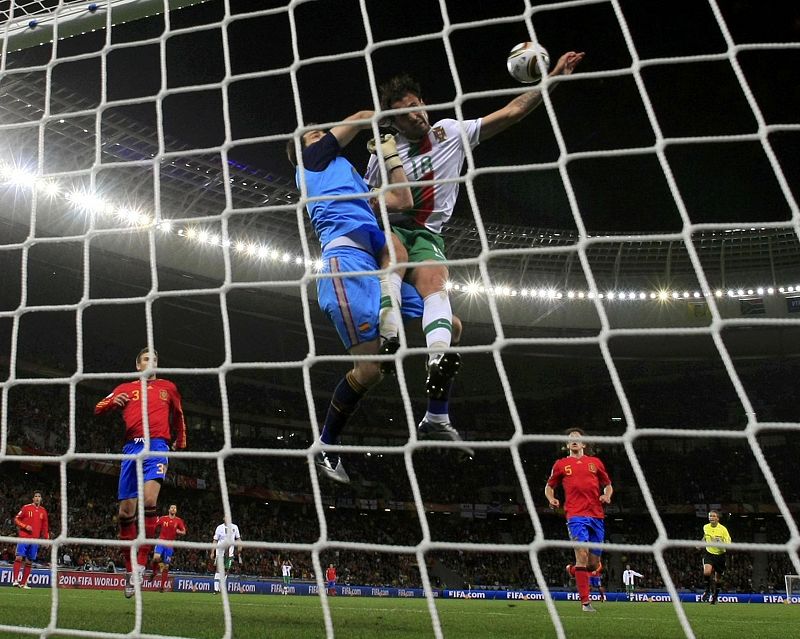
583 479
164 411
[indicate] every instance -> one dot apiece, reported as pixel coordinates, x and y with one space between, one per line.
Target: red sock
25 574
17 567
156 565
582 581
150 518
127 530
164 575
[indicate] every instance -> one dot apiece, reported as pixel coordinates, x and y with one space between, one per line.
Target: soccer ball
523 62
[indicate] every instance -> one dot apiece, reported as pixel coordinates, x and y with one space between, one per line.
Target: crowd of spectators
274 417
91 514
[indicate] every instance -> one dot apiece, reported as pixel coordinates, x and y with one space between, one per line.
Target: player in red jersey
32 523
169 526
582 477
167 431
330 578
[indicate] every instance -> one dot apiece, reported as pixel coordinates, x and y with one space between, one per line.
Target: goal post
792 583
28 23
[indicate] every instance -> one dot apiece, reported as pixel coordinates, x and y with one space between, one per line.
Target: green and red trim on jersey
423 195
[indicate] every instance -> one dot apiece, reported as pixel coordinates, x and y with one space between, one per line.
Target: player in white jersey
286 572
437 152
224 535
629 580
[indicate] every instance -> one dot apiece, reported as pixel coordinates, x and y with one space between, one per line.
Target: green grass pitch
258 616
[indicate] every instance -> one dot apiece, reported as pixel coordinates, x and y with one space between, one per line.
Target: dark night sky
720 182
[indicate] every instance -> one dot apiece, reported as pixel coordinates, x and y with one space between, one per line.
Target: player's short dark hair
396 88
715 511
576 429
291 151
37 492
146 350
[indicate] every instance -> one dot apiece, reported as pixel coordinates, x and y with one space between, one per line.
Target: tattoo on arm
528 101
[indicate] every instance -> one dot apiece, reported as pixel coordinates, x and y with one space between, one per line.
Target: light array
96 205
475 288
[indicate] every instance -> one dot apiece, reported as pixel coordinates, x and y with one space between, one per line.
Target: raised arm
345 132
522 105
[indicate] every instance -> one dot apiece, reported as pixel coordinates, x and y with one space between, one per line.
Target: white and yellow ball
523 62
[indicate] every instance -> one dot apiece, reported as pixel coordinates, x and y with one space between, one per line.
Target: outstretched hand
566 63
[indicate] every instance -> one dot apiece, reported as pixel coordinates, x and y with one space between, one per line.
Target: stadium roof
191 185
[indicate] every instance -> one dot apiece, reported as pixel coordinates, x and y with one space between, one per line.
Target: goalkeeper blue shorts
412 304
152 467
352 304
587 530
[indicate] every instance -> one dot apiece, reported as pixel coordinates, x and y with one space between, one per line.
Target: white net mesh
147 200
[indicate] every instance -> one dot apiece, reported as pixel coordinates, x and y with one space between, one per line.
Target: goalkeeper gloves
389 151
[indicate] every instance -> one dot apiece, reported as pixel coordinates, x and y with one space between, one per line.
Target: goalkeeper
351 241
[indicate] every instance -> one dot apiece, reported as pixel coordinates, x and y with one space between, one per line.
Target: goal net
624 259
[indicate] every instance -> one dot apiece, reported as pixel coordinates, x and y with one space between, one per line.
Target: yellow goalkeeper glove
389 150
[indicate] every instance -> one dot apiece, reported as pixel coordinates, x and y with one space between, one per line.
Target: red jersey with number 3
170 527
583 479
164 411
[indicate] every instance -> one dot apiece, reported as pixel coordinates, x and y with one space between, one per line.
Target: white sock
390 318
436 418
437 321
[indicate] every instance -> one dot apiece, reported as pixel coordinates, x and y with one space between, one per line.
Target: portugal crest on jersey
163 395
439 133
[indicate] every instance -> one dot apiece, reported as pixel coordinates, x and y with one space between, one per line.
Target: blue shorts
587 529
352 304
332 584
412 303
595 582
152 467
165 552
29 551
